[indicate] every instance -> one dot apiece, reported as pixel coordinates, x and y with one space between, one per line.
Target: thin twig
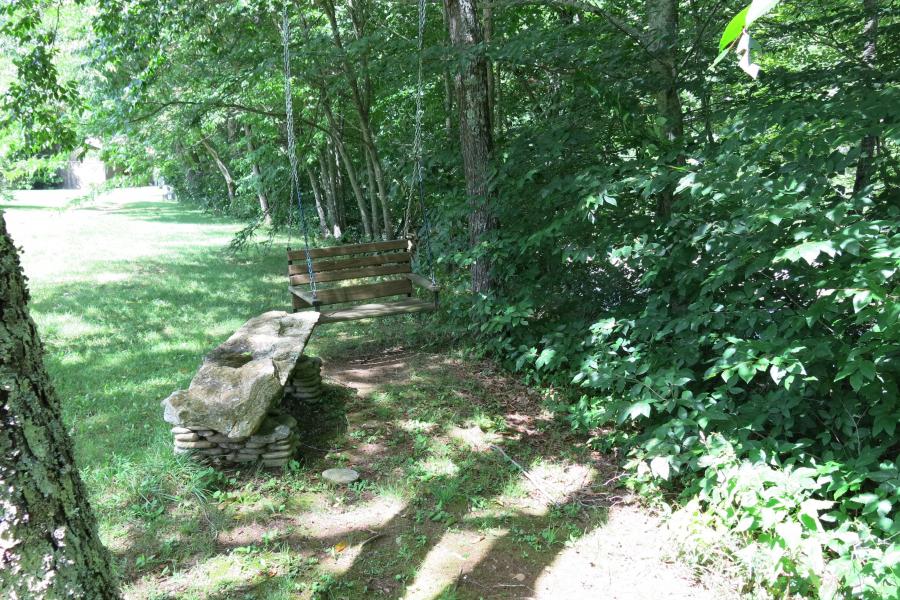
527 476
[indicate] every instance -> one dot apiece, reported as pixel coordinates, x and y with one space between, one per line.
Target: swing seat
387 266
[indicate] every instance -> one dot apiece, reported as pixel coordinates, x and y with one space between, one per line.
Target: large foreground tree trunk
475 134
47 534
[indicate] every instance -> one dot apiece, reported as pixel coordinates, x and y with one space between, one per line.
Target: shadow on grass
442 515
116 349
166 212
14 206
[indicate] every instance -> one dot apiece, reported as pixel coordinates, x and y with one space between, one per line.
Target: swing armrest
422 282
302 294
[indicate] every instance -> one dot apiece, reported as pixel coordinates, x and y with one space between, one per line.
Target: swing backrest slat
356 262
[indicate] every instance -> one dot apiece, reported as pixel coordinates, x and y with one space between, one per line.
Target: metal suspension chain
417 145
292 146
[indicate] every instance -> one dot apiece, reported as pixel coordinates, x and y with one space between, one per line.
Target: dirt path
617 551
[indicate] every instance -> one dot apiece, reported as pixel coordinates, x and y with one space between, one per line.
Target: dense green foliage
723 292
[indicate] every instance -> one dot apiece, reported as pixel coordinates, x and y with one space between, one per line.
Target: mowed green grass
131 290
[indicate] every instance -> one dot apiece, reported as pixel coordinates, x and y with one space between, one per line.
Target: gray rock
243 378
242 458
340 476
212 452
279 447
273 455
177 430
307 388
186 437
218 438
194 445
274 429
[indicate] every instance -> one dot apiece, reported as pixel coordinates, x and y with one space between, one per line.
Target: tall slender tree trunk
488 25
361 102
373 197
48 536
475 134
328 185
870 45
223 169
338 142
662 21
325 226
257 178
448 83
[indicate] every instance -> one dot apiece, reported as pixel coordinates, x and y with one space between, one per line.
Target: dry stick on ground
527 476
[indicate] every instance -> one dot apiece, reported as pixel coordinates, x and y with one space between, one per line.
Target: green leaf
545 357
637 409
861 299
758 9
791 533
746 371
744 524
659 466
808 251
720 58
733 29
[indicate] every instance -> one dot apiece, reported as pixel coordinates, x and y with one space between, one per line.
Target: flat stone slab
340 476
242 379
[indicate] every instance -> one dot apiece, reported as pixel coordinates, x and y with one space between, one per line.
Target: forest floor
469 488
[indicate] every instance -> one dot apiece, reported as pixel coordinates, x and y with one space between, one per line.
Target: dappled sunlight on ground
468 487
451 559
623 559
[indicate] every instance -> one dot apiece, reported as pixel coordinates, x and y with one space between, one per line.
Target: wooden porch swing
372 262
385 266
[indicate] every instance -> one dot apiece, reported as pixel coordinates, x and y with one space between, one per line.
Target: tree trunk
324 225
226 175
448 83
373 197
348 167
257 177
48 535
361 102
662 43
868 143
488 20
475 137
328 186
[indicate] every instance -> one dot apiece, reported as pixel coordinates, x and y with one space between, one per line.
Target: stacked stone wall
303 416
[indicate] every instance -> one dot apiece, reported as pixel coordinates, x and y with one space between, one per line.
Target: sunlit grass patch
129 292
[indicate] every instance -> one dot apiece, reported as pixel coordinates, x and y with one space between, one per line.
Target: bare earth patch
624 556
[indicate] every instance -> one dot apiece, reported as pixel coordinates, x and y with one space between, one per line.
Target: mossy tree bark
48 536
662 44
475 131
870 45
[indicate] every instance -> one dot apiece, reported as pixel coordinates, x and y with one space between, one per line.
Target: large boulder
241 380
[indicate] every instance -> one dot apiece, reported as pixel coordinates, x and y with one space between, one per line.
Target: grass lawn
131 290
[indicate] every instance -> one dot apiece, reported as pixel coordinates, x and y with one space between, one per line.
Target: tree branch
589 7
